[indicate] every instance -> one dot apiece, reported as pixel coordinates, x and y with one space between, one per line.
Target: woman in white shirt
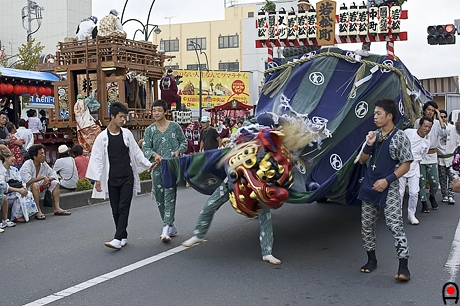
34 124
66 169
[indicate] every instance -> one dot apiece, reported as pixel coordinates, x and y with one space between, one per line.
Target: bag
456 160
48 200
15 183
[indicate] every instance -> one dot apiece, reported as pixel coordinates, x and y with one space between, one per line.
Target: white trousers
414 187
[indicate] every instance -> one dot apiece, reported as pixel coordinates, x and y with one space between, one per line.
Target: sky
423 60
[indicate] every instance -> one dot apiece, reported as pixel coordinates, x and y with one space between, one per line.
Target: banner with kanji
218 87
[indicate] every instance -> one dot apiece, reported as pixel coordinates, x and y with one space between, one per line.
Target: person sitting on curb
19 201
66 169
39 176
81 161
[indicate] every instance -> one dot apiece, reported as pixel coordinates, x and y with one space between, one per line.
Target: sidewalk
83 198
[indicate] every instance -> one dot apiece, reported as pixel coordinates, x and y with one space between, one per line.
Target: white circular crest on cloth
350 54
209 182
336 161
317 78
271 65
387 63
353 94
308 55
401 107
300 167
361 109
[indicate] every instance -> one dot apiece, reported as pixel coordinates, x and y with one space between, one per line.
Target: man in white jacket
419 147
114 148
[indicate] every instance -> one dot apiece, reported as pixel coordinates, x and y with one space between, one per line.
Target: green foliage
144 176
269 6
29 55
84 184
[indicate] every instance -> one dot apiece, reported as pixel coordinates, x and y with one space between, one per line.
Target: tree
269 6
29 55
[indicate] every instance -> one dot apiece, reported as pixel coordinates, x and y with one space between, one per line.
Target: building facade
59 19
227 45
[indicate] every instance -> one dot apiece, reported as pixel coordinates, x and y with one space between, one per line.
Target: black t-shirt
120 166
209 137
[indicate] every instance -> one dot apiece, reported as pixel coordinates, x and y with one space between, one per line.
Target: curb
83 198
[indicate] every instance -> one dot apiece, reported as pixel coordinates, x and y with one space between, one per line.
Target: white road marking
105 277
453 262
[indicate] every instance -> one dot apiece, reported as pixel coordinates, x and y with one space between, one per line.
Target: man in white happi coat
114 165
429 163
419 147
446 147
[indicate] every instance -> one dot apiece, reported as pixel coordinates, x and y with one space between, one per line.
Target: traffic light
441 34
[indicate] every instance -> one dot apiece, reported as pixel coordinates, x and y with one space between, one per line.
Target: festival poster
218 87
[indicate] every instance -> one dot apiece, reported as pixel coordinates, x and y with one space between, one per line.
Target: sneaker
114 244
445 199
172 231
413 220
165 234
1 230
8 223
451 200
124 241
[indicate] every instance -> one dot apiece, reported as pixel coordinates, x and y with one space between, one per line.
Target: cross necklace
381 139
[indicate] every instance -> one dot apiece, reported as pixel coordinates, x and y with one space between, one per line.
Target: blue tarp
27 74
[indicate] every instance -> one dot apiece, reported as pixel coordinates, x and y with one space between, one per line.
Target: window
199 41
173 67
250 14
235 66
169 45
195 67
228 42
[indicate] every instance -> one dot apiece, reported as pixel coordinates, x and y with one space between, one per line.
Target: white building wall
60 20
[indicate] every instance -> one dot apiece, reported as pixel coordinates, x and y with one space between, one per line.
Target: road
63 259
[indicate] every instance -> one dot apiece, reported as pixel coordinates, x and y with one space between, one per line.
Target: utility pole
29 13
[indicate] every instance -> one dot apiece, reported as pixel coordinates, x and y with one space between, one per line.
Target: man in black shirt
209 137
116 160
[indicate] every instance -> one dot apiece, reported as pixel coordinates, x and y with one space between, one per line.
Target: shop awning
28 75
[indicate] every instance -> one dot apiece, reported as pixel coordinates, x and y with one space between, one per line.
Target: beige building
225 44
221 40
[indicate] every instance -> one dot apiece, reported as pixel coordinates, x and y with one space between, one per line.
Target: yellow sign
325 22
218 87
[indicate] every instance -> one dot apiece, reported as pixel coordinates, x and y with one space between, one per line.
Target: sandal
40 217
62 213
20 220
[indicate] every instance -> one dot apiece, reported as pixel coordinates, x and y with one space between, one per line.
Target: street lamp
145 27
197 46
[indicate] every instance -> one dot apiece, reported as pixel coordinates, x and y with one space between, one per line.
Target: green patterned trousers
216 200
393 220
165 198
428 172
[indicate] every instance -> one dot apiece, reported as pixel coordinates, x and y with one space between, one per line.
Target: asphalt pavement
63 259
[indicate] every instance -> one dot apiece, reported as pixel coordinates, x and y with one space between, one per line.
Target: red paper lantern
9 88
41 91
32 90
17 89
2 88
48 91
23 89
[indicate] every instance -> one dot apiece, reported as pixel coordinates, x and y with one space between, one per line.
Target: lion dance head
259 172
